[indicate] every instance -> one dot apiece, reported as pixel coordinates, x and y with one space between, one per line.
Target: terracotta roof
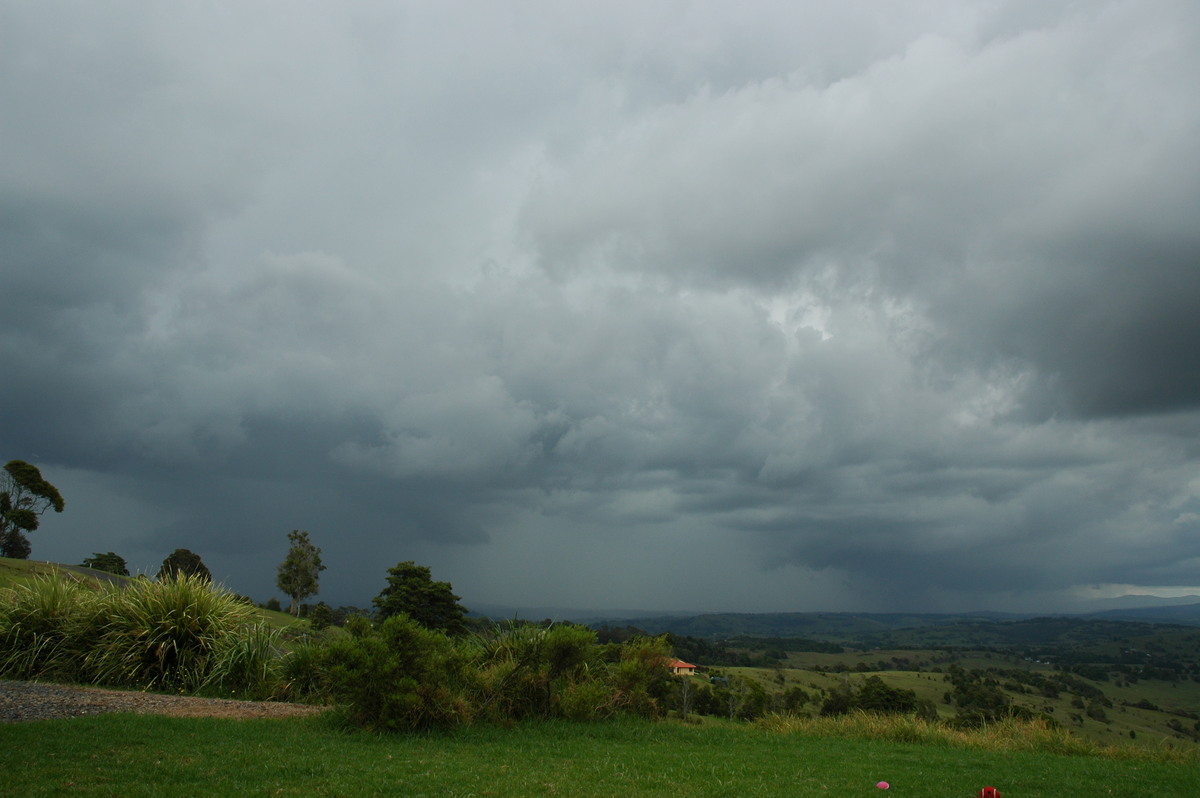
678 663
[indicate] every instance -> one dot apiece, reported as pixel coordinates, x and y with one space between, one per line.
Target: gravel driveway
25 701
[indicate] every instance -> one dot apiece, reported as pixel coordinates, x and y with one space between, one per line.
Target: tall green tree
109 563
300 570
24 496
411 590
182 561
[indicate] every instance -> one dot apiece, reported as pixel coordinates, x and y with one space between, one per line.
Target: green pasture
1149 727
132 755
925 659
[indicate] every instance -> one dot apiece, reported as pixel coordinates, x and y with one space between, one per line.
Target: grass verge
155 756
1009 735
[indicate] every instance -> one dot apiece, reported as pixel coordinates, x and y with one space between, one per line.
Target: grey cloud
631 304
1007 183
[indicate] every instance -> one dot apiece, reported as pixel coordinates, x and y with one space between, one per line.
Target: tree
300 570
320 616
182 561
24 496
412 591
109 563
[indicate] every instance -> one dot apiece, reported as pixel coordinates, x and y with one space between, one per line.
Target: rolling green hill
1104 679
18 572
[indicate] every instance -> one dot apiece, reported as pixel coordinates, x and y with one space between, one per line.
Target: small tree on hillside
109 563
182 561
300 570
320 616
411 590
24 496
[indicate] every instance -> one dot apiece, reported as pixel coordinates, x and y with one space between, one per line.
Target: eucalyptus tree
24 497
300 571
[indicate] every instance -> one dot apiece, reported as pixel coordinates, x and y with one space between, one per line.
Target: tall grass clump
178 634
1010 734
301 676
530 671
170 635
43 628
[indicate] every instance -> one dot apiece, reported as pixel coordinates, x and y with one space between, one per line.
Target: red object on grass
988 792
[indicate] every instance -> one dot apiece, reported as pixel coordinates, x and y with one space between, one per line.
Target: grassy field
22 572
154 756
1150 728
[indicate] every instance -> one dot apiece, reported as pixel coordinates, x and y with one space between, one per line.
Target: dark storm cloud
1034 196
612 304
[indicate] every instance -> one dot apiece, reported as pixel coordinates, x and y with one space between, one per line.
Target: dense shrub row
398 675
184 634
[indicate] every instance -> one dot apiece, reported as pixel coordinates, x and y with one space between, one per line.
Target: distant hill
847 627
838 626
1187 614
502 612
882 630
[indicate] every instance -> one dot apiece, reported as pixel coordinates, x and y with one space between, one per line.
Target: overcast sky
770 306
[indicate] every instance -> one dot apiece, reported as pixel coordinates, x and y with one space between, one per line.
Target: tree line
25 495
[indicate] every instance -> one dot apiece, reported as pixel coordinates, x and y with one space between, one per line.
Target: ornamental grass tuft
179 634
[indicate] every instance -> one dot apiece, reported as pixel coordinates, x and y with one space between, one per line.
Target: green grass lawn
131 755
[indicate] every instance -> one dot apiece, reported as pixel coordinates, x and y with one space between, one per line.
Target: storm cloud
661 305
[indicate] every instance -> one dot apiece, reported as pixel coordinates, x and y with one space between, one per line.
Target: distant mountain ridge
1188 614
846 626
1140 601
831 625
859 627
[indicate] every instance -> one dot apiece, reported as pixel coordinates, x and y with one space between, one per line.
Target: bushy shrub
587 700
398 676
873 695
641 680
320 616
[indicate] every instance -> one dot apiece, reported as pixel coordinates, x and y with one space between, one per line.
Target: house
681 668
